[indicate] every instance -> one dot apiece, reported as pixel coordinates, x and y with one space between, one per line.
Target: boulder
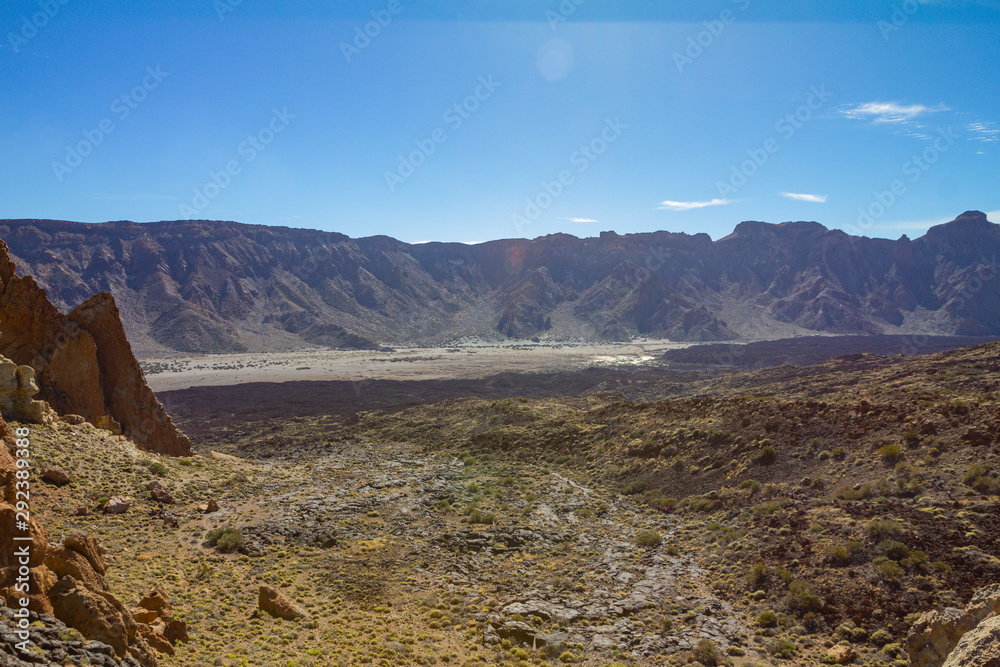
934 635
209 507
73 420
979 647
162 496
69 563
108 423
157 602
92 614
91 550
144 616
17 387
117 505
277 604
56 476
169 519
40 577
175 631
544 610
840 655
155 639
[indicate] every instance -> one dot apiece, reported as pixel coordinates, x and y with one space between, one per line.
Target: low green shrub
648 538
781 648
479 516
766 455
897 551
706 653
891 453
634 488
882 529
225 539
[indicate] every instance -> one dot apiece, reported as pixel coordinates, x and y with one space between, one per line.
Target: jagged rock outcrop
979 647
127 397
83 361
936 634
34 333
207 286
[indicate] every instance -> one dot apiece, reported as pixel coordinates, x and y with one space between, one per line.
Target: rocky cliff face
84 363
222 286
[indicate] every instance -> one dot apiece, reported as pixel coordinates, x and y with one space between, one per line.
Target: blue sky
470 121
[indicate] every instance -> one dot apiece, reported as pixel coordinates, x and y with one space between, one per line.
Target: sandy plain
464 360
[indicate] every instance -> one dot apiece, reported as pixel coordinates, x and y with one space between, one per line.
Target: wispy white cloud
579 219
816 199
688 205
986 132
890 112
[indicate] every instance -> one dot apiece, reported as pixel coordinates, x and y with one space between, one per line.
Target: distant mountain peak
755 229
966 228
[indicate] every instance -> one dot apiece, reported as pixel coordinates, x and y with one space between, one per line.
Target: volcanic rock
162 496
91 613
841 655
127 396
277 604
83 361
979 647
17 387
56 476
117 505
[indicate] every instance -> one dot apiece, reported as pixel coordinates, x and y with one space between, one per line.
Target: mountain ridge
202 286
